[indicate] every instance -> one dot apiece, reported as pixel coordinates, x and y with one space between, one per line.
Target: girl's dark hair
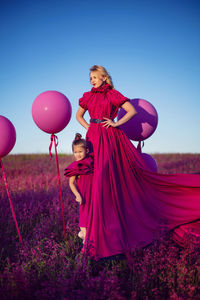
78 141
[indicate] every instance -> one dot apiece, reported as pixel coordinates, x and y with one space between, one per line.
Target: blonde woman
129 204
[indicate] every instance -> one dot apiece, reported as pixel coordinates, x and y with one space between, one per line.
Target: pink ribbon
54 139
11 205
140 146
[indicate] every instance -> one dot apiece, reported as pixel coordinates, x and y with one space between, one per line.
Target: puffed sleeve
72 170
83 102
117 98
81 167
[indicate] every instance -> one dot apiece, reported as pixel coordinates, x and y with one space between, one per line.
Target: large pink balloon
143 125
51 111
7 136
150 162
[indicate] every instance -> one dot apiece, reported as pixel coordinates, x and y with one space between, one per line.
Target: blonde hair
103 72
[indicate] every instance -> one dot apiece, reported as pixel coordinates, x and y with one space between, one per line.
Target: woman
129 205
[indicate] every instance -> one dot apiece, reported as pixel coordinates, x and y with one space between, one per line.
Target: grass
48 266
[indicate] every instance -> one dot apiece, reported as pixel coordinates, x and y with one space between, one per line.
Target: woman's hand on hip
108 122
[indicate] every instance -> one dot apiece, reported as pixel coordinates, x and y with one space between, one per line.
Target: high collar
101 89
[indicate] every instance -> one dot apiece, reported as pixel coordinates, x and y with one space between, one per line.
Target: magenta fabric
83 169
188 234
130 205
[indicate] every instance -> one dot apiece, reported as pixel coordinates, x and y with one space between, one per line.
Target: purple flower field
49 266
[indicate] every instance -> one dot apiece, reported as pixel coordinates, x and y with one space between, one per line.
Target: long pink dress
83 170
130 205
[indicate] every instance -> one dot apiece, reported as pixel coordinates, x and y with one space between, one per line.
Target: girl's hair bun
78 136
79 141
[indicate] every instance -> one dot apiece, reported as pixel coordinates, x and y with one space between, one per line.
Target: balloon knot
140 146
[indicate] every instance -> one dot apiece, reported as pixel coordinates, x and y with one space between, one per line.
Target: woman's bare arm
79 116
130 112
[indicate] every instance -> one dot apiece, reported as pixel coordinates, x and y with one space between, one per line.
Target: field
48 266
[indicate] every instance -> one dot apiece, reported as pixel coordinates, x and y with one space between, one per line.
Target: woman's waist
98 121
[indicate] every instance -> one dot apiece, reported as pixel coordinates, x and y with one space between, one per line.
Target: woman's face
96 79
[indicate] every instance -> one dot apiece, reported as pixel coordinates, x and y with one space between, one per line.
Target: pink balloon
150 162
7 136
51 111
143 125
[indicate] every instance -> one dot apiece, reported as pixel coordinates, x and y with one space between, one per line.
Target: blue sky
150 48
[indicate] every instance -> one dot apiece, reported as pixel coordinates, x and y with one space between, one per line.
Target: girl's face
96 79
79 152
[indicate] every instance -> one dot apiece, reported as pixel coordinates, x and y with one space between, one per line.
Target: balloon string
140 146
54 139
11 205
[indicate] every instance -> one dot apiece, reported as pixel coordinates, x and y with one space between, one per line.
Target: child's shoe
81 235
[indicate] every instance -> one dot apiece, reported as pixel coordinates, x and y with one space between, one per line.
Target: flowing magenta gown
130 205
83 169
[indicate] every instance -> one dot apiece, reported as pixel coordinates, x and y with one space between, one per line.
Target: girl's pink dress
130 205
83 169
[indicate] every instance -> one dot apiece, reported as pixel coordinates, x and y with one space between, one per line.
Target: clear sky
150 48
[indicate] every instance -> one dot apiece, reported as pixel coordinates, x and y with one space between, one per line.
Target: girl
80 185
130 205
